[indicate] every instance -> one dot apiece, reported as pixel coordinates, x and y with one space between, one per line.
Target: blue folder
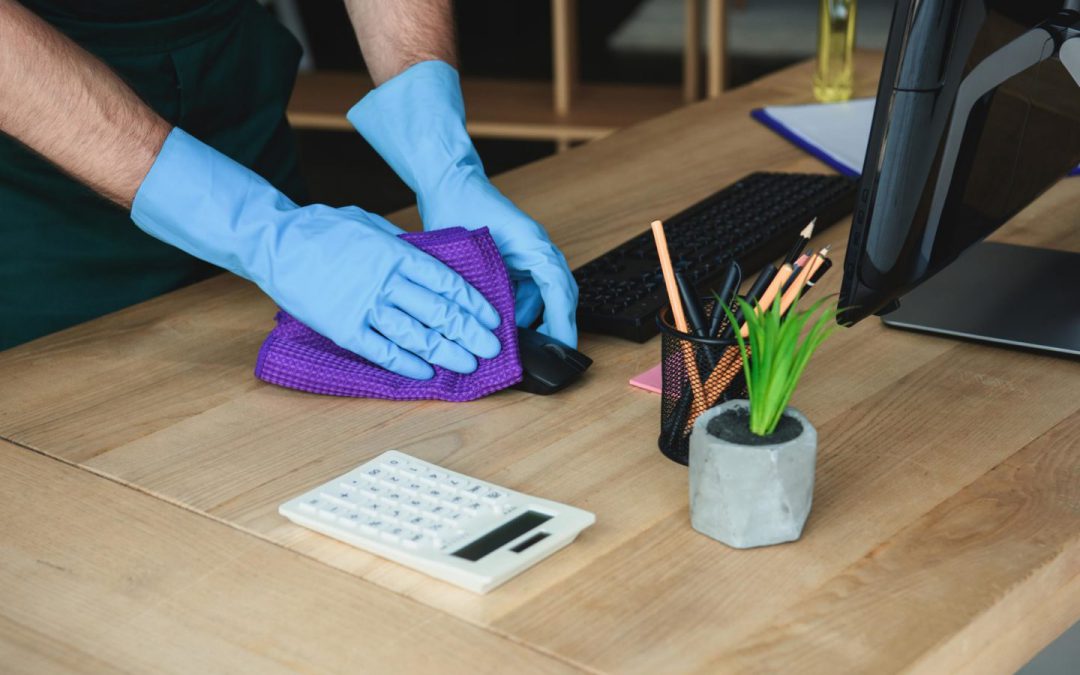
835 133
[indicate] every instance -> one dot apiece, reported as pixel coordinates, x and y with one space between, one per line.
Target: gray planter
748 490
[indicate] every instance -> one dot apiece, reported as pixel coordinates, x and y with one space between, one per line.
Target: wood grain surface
97 577
945 510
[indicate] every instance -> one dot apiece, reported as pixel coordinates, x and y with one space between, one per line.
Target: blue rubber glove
416 122
343 272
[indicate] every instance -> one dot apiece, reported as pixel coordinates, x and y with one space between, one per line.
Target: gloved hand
416 122
343 272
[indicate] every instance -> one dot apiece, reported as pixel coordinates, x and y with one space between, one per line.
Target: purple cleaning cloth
297 357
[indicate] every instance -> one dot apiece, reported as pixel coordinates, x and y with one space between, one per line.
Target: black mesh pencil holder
697 374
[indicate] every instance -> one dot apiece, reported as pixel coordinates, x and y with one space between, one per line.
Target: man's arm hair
71 108
396 34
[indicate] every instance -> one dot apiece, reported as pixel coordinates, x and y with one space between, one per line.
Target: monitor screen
975 117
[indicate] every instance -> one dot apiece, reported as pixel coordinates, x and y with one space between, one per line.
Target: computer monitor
977 114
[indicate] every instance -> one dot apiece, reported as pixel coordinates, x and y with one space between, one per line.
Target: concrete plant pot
748 490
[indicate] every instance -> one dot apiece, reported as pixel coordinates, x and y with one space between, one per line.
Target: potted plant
752 461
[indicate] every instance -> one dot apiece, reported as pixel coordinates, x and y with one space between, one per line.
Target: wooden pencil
677 313
796 288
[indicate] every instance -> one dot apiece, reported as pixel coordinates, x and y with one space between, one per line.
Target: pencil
801 242
816 276
770 294
669 276
677 308
795 290
725 371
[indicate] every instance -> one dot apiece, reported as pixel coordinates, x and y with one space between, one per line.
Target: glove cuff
193 198
416 122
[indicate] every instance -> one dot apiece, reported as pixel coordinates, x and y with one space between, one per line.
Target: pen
768 273
727 290
695 316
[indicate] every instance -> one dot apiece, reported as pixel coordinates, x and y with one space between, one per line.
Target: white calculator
455 528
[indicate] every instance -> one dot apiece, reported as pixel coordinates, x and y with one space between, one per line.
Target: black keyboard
752 221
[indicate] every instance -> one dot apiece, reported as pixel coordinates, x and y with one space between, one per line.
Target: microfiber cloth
297 357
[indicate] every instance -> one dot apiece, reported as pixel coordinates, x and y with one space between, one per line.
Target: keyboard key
752 221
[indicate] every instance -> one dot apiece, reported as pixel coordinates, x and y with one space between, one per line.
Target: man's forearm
395 34
71 108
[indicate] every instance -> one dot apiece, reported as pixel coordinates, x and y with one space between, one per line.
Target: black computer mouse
549 365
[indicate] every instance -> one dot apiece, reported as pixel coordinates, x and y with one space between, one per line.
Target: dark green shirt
113 10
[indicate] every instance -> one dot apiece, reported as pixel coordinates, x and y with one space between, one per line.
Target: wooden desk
147 465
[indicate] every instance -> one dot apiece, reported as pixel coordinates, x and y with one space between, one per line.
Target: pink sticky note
650 380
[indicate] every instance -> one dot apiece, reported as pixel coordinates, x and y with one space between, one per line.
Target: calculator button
431 524
311 505
451 539
350 521
374 472
348 487
339 498
413 541
330 512
493 495
474 489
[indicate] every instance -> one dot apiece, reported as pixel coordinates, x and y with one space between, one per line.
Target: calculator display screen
506 532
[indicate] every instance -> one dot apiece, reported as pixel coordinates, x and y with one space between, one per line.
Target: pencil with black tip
800 243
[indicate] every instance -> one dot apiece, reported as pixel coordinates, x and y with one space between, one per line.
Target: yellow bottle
835 74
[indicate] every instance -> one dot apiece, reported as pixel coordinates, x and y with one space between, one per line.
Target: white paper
839 130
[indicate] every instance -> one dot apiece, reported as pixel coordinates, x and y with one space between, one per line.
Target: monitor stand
1001 293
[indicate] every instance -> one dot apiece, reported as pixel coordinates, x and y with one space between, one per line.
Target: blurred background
629 66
